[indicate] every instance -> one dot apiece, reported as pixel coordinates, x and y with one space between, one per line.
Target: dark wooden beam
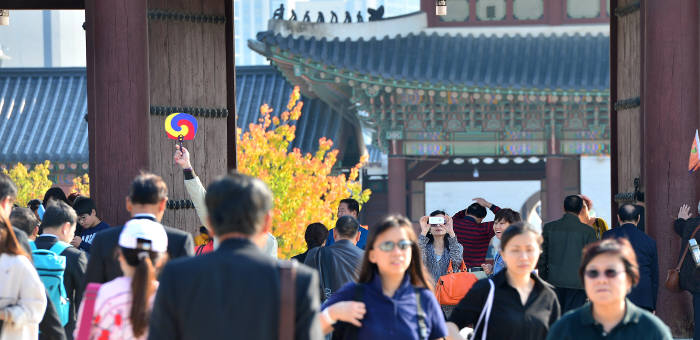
43 4
230 88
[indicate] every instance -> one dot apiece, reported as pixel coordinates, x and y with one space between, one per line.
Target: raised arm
193 185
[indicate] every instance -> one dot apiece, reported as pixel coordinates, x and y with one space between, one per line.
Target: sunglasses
609 273
389 245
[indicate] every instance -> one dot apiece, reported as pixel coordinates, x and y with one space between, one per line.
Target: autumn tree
304 186
30 184
81 185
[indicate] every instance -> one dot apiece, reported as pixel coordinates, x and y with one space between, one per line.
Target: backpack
51 265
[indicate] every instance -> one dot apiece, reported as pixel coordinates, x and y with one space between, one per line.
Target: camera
436 220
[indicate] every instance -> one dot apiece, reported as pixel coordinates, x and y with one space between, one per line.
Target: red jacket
474 237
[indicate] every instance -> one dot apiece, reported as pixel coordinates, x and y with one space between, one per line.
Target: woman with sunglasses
522 305
393 296
439 247
609 270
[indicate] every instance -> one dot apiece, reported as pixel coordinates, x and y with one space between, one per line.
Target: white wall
595 183
455 196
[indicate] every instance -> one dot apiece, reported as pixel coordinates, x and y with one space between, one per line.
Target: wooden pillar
670 111
554 188
118 100
397 181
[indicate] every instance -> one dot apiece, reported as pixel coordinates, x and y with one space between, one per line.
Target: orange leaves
305 187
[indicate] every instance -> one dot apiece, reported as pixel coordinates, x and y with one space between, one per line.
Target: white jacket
22 295
197 193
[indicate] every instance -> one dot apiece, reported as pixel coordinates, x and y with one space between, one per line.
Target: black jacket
76 263
50 326
645 292
104 266
230 293
564 240
690 277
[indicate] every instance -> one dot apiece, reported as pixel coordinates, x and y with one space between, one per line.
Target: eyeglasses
389 245
609 273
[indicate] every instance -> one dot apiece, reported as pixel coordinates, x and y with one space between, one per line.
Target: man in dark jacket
564 240
59 225
644 293
684 226
147 198
338 263
234 291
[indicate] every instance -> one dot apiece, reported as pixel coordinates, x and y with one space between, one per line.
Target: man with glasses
87 218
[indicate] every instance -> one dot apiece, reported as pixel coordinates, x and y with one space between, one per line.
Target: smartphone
436 220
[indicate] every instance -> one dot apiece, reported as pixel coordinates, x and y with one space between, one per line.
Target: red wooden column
397 180
118 100
670 110
554 186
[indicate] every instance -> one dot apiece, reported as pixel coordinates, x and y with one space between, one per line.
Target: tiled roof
257 85
42 113
555 62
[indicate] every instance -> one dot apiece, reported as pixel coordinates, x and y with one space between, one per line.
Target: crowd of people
67 274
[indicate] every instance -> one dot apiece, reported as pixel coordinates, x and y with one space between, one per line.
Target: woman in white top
123 305
22 295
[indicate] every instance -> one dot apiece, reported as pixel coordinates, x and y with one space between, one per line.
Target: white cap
147 230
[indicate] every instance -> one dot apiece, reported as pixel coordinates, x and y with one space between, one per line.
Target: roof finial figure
279 13
334 17
376 14
307 17
320 17
348 18
293 17
359 16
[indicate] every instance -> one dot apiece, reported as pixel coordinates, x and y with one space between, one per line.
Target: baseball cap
145 235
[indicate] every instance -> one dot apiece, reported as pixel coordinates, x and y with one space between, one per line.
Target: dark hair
418 274
573 204
55 193
612 246
519 228
148 188
628 213
430 236
238 203
84 205
476 210
8 239
508 215
34 204
57 213
7 187
347 226
142 288
203 230
352 204
315 234
24 219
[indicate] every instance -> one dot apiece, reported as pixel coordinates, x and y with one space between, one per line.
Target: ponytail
142 287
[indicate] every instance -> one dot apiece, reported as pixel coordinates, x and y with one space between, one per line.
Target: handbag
453 286
673 276
485 313
86 316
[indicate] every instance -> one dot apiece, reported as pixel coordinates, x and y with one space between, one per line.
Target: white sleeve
271 246
31 304
196 191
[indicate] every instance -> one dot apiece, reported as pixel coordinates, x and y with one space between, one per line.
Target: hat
145 235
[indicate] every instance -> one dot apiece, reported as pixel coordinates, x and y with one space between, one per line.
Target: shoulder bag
453 286
673 276
485 313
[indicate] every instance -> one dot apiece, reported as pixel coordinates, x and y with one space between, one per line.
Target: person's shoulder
567 321
72 252
174 232
652 324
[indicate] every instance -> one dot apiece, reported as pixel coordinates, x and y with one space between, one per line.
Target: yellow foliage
304 188
81 185
30 184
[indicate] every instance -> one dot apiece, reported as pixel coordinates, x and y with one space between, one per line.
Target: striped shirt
474 237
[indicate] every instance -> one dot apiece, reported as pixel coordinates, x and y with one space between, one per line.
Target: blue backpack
51 265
